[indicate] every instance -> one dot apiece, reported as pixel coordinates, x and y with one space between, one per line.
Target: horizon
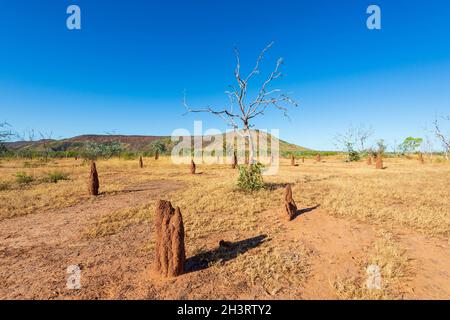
126 69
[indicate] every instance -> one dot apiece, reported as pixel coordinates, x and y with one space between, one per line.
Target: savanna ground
351 216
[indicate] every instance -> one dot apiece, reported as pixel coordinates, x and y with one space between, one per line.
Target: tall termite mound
290 208
141 163
193 167
292 160
235 161
369 161
94 184
156 155
319 158
379 162
303 159
170 254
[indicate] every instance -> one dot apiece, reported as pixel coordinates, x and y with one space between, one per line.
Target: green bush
353 156
250 177
55 176
23 178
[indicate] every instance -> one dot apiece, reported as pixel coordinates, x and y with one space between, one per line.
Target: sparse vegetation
214 209
22 178
250 177
55 176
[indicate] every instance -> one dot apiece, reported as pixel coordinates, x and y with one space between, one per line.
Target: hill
130 143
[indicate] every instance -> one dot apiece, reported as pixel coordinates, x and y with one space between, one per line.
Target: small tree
349 140
158 146
381 147
410 145
46 139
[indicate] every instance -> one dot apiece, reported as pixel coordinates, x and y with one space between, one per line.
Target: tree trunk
251 156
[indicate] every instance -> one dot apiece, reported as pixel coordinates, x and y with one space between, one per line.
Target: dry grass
394 267
405 194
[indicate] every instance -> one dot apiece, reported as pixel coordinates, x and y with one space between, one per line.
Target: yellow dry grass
405 194
394 267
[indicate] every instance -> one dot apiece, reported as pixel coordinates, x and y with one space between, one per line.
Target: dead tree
46 140
235 160
242 110
444 138
5 134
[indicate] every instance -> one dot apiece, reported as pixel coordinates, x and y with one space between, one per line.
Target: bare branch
265 98
440 135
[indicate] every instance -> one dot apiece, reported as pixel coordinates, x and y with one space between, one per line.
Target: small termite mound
303 159
379 162
94 184
319 158
290 208
193 167
141 163
369 161
170 254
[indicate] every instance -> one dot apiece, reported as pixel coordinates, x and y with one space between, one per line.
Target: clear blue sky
126 70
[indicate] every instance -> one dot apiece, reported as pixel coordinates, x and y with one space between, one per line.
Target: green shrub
23 178
250 177
353 156
55 176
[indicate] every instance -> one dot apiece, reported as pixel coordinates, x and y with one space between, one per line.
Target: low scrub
23 178
250 177
55 176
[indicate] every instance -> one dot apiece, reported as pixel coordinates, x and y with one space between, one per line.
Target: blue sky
126 70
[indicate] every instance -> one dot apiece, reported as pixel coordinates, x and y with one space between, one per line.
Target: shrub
353 156
28 164
23 178
4 186
250 177
55 176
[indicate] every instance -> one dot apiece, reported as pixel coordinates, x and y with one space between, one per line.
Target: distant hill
133 143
